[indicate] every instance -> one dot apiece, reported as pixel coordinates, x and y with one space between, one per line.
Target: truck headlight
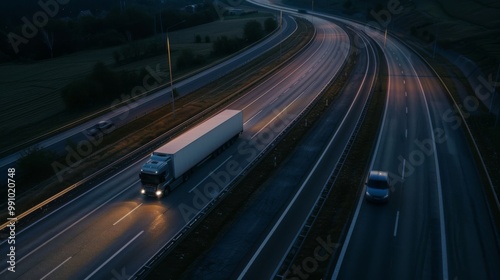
158 193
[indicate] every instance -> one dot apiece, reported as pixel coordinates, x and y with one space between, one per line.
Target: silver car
377 186
102 127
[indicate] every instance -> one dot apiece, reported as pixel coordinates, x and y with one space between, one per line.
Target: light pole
171 80
170 69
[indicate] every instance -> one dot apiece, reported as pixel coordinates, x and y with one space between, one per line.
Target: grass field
31 103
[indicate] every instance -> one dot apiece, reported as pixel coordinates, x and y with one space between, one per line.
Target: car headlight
143 191
158 193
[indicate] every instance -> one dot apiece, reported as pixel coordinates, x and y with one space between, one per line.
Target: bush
270 25
101 85
224 45
189 59
253 31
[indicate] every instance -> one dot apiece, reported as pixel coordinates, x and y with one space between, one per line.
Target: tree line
64 35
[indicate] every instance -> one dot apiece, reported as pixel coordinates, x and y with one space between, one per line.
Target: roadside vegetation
103 84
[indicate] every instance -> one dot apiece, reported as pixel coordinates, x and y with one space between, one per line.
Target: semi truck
171 164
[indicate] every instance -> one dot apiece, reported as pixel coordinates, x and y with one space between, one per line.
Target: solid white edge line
114 255
396 225
130 212
61 264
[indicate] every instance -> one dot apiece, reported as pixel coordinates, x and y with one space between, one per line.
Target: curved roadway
112 231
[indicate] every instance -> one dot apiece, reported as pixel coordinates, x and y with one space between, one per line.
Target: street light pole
170 69
171 80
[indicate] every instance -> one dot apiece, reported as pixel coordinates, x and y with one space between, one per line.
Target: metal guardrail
295 248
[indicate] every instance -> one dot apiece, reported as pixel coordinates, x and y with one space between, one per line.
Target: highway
112 231
437 223
129 111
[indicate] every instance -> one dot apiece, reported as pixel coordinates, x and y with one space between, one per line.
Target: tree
189 59
270 25
253 31
35 164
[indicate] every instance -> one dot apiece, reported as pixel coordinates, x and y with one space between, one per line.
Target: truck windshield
150 178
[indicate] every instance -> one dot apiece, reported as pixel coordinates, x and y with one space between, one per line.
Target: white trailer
171 164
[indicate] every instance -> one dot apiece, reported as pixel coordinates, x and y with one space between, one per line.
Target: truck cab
155 175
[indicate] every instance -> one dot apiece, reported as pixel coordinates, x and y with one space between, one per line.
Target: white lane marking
46 275
406 110
197 185
253 117
403 171
75 199
396 225
277 115
114 255
444 250
406 133
404 82
127 214
73 224
406 94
